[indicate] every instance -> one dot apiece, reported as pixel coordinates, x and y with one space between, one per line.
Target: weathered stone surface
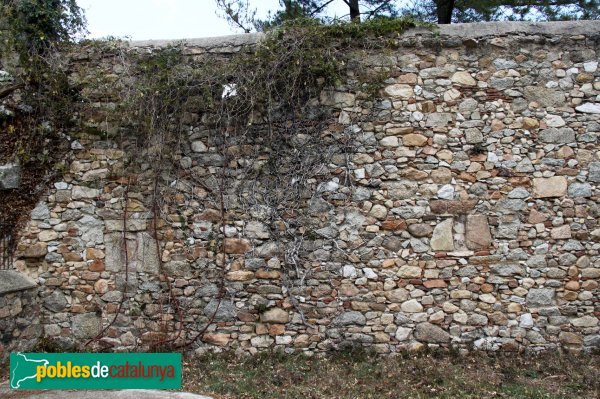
588 108
220 310
390 141
414 140
397 295
569 338
10 176
86 325
442 239
237 246
412 306
557 136
81 192
399 90
577 190
256 229
240 275
473 136
12 281
463 78
40 212
545 97
55 302
540 297
431 333
38 250
439 119
275 315
507 269
561 233
350 318
338 99
550 187
585 321
478 233
420 229
594 172
453 207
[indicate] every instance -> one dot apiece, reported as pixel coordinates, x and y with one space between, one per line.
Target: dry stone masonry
471 221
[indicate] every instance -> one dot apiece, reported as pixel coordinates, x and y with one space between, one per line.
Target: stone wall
20 326
471 219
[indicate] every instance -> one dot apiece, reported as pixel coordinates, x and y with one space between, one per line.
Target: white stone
589 108
449 307
487 298
446 192
463 78
402 333
585 321
369 273
389 141
400 90
412 306
442 236
554 121
359 173
199 146
590 66
349 271
80 192
451 95
526 320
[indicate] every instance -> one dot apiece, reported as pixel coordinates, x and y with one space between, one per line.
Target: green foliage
37 25
446 11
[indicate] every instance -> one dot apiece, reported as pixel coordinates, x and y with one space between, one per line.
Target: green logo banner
95 370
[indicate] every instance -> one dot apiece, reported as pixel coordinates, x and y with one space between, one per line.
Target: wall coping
474 30
13 281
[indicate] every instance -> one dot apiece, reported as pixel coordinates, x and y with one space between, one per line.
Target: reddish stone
276 329
467 177
97 266
216 339
90 276
212 215
519 181
246 316
93 253
237 246
393 224
478 232
455 207
435 284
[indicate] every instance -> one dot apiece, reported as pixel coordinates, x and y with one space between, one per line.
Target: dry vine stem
273 139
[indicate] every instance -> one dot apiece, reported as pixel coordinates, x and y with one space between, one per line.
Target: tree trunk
354 10
444 10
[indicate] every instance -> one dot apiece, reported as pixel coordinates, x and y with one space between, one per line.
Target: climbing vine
263 139
37 101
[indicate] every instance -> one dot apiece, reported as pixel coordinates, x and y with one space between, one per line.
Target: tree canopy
241 13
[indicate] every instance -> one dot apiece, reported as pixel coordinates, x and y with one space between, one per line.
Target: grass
424 375
358 374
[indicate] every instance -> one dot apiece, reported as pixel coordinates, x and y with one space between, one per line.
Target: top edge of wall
464 31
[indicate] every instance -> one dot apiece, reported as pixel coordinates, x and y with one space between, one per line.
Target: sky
162 19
